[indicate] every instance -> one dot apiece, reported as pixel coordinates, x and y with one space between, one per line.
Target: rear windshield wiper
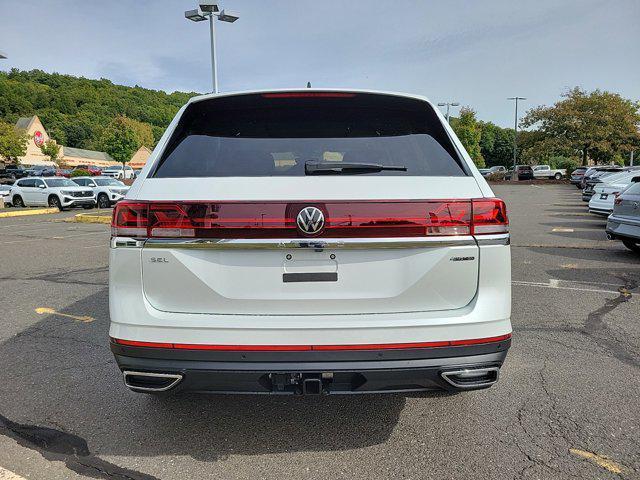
325 168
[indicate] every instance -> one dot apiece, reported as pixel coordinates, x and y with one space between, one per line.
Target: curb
89 218
24 213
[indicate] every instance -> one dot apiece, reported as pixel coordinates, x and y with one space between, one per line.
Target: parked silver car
624 223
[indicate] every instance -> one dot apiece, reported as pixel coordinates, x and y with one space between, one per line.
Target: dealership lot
566 405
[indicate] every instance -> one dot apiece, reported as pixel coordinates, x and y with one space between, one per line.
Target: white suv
123 172
55 192
306 242
108 190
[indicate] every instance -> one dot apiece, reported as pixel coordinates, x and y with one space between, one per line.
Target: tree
13 142
469 131
598 125
51 149
143 132
119 140
496 144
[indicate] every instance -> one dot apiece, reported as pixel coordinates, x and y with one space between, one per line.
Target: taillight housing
617 200
489 217
343 219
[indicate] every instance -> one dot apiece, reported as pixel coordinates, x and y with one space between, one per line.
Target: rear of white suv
309 242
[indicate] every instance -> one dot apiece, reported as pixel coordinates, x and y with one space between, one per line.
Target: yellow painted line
51 311
599 460
560 229
23 213
89 218
9 475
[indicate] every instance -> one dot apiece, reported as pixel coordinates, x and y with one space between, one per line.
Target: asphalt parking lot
567 404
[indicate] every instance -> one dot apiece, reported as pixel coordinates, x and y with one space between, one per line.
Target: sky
476 52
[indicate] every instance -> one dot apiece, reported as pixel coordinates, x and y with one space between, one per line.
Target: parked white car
55 192
368 262
605 193
545 171
5 193
108 190
119 171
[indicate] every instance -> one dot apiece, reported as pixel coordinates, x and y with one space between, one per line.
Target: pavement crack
596 328
58 445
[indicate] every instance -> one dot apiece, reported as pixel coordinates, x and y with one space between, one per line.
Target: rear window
634 188
277 134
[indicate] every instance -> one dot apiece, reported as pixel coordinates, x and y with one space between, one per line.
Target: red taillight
489 216
130 219
309 94
358 219
617 200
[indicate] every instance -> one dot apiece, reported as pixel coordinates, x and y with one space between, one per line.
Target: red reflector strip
303 348
308 94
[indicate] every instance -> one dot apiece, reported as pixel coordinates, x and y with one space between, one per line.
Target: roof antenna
308 84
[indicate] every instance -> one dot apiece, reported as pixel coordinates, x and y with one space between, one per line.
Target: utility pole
448 105
515 135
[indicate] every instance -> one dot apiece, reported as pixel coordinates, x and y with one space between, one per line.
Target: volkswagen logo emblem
310 220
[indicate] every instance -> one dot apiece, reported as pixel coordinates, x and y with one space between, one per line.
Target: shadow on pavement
60 374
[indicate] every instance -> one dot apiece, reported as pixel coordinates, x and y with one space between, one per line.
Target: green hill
75 111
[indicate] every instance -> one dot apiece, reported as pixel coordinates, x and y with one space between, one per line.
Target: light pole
210 10
515 135
2 55
448 105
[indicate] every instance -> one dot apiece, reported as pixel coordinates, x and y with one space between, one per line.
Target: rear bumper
600 209
330 372
618 227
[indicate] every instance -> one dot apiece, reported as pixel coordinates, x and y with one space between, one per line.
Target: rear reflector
356 219
303 348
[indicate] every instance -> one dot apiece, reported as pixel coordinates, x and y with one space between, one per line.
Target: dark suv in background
10 173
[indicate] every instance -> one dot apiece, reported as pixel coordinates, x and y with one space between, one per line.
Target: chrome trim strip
501 239
177 378
126 242
316 244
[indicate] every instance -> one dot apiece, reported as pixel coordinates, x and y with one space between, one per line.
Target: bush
80 173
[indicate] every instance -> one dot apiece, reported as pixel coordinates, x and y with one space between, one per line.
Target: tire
54 202
632 245
103 201
17 201
558 176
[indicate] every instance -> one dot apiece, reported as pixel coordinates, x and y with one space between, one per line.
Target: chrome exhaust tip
470 378
610 237
150 381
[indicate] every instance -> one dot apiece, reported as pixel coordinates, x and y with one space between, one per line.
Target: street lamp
448 105
209 10
515 135
3 55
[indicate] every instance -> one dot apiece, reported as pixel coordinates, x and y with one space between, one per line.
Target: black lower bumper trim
328 372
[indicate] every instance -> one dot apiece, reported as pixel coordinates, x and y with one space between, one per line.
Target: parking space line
55 238
9 475
599 460
555 284
51 311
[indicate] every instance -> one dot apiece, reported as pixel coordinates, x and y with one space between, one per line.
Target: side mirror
635 180
40 186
